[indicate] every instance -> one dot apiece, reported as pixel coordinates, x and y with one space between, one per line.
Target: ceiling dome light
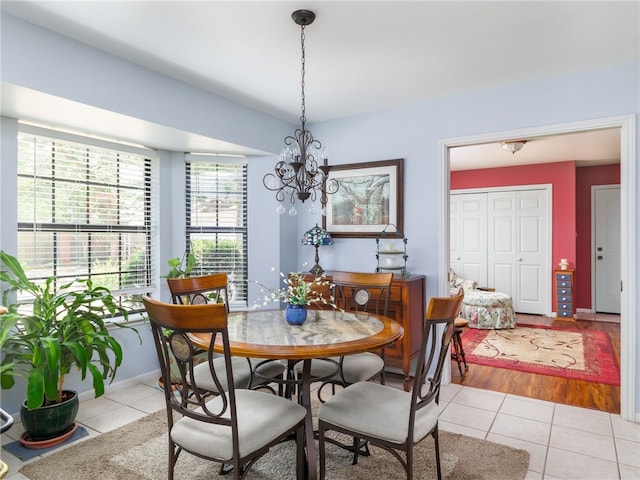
513 147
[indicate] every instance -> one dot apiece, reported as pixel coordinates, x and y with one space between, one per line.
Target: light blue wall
89 76
414 132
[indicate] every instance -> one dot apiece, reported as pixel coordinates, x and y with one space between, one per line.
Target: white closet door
502 252
532 254
518 247
501 239
468 236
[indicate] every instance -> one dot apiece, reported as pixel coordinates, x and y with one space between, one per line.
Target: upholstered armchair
482 308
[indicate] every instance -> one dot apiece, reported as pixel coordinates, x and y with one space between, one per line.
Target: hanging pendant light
302 169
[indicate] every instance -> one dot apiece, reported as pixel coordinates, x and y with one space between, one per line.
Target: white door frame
628 200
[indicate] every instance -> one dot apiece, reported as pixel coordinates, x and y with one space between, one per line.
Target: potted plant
61 326
298 293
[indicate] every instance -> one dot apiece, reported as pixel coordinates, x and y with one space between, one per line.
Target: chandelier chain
303 118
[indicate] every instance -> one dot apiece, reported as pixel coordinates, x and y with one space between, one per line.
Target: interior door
532 256
518 247
606 227
503 244
468 236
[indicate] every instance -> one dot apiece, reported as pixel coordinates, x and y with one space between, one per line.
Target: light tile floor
566 443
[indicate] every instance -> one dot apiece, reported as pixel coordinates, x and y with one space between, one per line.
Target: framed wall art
369 197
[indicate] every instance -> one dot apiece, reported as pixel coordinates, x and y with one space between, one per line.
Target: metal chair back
362 292
434 352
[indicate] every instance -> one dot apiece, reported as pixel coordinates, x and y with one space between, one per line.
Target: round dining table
326 333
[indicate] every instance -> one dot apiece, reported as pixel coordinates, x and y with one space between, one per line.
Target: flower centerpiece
298 292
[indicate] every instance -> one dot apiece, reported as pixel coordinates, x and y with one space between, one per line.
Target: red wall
560 175
586 177
571 208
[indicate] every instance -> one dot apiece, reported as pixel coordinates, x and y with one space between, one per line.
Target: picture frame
369 197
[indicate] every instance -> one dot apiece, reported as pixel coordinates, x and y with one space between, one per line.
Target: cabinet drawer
565 298
563 283
563 276
565 306
565 313
564 291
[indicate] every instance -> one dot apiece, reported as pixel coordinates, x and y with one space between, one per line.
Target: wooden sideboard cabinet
407 305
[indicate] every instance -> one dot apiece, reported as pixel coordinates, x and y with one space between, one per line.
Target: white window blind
216 217
85 210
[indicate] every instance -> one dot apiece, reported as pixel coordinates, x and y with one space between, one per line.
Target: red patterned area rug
559 352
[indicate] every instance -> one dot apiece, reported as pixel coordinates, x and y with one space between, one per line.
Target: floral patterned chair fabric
483 309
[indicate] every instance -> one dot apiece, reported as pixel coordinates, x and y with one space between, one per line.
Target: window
216 217
85 211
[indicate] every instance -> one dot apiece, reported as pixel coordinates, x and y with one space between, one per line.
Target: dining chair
391 418
197 290
460 324
214 287
234 428
355 292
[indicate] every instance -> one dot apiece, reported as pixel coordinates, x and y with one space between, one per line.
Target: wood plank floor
578 393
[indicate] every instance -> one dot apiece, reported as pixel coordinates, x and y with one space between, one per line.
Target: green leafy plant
181 267
58 328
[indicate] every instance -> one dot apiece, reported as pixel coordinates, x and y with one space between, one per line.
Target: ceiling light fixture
513 147
302 169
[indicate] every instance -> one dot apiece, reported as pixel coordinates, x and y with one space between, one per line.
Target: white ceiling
361 55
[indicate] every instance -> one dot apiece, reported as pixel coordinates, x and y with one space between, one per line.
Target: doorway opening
628 310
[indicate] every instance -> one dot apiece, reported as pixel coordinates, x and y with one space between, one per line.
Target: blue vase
295 314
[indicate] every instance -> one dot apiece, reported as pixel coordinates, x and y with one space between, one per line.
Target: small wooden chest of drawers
565 288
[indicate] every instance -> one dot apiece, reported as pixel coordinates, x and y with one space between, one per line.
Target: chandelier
302 169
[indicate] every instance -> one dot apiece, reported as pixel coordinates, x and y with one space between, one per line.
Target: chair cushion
354 408
321 369
455 282
355 368
262 417
241 373
361 367
269 369
460 322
